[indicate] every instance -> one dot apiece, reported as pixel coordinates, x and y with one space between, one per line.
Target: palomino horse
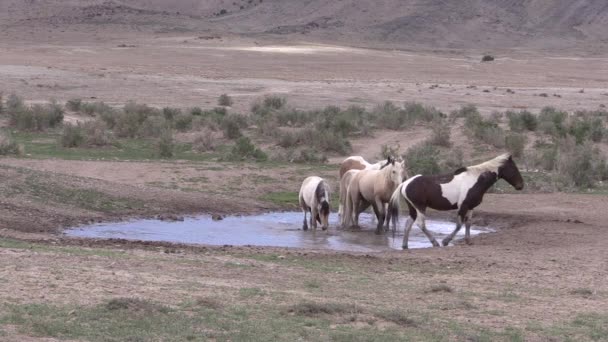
463 190
358 163
345 220
314 198
353 163
373 187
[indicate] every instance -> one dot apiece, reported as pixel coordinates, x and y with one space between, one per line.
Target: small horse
463 190
314 198
358 163
373 187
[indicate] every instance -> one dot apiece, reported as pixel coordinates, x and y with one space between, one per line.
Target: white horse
314 198
373 187
345 220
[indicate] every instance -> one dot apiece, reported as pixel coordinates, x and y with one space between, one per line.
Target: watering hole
282 229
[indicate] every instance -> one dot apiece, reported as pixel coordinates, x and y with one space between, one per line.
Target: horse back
425 192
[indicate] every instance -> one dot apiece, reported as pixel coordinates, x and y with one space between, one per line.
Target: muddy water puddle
272 229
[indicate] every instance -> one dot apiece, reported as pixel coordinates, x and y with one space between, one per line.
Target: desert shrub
244 149
579 165
389 151
310 156
14 103
552 121
225 100
37 117
205 141
422 159
466 111
288 139
171 113
110 118
387 115
152 126
95 108
8 145
96 134
453 160
74 104
521 121
415 112
139 110
440 135
487 58
274 101
72 136
183 122
165 145
515 144
597 130
324 140
232 124
486 131
196 111
127 124
1 103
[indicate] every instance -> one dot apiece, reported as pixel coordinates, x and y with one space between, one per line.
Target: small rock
216 217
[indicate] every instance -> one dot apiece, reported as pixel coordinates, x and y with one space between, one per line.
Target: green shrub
171 113
387 115
453 160
35 118
515 144
244 149
93 108
128 124
153 127
552 122
183 122
205 141
14 103
274 102
521 121
440 135
225 100
232 124
422 159
196 111
72 136
8 145
389 151
96 134
579 165
165 144
466 111
74 104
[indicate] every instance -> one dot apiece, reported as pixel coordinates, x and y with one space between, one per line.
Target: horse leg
380 213
467 226
305 224
388 217
422 224
313 218
408 226
459 221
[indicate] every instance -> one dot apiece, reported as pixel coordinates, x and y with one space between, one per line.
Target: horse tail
394 206
348 208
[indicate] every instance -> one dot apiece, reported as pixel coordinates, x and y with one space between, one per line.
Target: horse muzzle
519 186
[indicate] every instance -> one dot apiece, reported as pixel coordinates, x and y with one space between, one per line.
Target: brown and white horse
463 190
373 187
314 198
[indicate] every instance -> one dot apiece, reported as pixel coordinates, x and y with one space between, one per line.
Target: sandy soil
185 71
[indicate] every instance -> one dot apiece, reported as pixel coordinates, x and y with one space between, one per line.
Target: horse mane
491 165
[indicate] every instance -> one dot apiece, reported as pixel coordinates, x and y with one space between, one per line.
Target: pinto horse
314 198
463 190
373 187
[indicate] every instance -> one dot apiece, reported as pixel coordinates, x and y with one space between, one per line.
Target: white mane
491 165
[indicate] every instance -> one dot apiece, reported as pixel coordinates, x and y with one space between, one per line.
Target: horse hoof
445 242
435 244
404 247
304 228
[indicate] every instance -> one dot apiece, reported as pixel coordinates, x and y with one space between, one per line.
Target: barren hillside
535 24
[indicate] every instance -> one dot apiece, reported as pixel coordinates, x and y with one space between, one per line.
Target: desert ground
541 276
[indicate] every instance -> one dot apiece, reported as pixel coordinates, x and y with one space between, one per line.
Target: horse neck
386 175
486 180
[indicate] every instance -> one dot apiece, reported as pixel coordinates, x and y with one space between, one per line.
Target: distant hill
432 23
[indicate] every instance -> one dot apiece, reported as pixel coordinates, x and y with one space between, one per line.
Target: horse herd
382 186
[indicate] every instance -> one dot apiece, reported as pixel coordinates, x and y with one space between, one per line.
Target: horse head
324 214
510 173
395 171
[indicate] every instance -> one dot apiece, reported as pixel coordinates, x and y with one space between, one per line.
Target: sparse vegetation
33 118
244 149
225 100
166 144
422 159
522 121
515 144
8 145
